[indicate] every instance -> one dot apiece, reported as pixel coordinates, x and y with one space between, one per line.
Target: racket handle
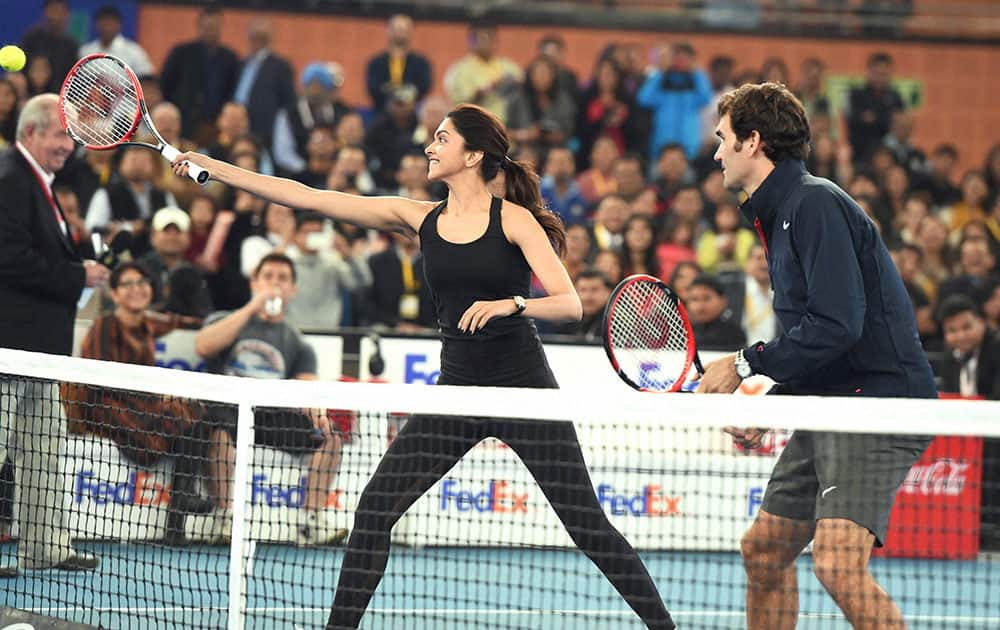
195 172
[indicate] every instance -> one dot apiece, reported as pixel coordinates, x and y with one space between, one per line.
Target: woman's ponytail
522 188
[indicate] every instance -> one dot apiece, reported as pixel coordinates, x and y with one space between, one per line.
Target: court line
501 612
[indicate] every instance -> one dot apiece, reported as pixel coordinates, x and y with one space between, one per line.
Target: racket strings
100 103
649 336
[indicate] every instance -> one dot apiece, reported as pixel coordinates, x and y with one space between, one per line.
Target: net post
241 514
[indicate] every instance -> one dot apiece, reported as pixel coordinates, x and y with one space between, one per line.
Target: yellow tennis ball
11 58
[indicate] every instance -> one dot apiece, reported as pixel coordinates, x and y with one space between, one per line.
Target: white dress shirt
125 49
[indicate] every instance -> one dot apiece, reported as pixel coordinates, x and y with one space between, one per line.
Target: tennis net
213 502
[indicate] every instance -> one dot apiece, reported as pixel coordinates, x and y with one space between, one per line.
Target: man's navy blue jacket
849 324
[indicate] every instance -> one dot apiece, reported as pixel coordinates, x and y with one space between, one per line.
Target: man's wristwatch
520 303
743 369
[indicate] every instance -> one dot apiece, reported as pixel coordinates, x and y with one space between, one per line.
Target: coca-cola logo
942 477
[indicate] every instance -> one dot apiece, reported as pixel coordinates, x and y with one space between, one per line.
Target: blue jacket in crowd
676 100
849 324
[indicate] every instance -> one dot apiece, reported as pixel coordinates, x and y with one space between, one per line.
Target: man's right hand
96 273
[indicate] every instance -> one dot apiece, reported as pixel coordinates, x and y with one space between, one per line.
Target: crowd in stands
625 156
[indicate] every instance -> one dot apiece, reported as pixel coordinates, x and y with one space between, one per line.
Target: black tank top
488 268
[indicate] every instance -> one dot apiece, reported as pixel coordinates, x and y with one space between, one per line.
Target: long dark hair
484 132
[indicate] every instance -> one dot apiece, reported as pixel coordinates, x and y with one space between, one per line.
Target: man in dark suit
200 76
41 280
399 297
265 83
49 39
398 66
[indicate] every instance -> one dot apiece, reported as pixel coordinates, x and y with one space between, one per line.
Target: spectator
757 318
870 107
257 342
38 71
48 40
390 135
827 159
594 289
639 246
411 178
431 112
483 77
203 212
940 181
553 48
167 120
971 367
88 172
540 113
611 263
399 66
714 192
991 170
279 232
350 172
597 181
775 70
579 249
811 91
676 244
147 428
199 77
328 271
70 205
129 203
972 205
908 259
915 207
351 130
899 142
178 287
607 110
720 77
977 266
629 179
9 108
321 154
110 41
399 296
672 172
264 86
727 247
41 281
559 189
991 305
320 103
711 319
609 222
675 92
681 278
688 206
932 239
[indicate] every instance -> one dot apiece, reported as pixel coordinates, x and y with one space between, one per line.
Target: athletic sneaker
315 529
215 529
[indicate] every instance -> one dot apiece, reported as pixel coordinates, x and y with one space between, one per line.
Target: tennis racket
101 106
648 336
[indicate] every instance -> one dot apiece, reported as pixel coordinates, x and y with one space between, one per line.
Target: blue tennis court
445 588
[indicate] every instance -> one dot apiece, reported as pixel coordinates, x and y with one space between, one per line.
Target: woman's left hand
476 316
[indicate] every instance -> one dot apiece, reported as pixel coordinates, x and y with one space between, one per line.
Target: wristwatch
743 369
520 303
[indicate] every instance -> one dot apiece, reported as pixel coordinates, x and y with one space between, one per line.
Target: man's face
731 156
673 165
412 171
170 241
400 31
628 174
688 205
964 331
274 278
612 214
233 120
137 166
703 304
560 165
168 122
210 28
50 147
321 144
484 42
593 294
108 28
879 75
302 235
57 16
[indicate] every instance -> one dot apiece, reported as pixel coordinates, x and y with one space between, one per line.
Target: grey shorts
842 475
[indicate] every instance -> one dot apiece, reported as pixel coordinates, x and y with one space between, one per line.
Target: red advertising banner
936 514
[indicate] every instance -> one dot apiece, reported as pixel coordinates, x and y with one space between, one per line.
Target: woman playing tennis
479 253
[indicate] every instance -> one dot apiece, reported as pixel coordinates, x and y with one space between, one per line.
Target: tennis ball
11 58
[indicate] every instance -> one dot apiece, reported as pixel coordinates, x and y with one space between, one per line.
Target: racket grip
195 172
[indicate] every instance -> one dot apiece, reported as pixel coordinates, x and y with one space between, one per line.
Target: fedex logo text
494 498
649 501
755 498
274 495
414 372
649 373
138 489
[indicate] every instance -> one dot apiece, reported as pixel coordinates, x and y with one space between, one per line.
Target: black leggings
428 447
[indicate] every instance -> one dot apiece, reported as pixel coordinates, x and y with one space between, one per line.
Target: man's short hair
709 281
37 114
108 11
277 258
671 146
879 57
772 111
946 149
592 273
956 305
301 218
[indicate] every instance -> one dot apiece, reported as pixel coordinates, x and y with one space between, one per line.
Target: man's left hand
720 377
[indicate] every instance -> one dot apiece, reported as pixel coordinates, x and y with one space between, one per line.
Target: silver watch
520 303
743 369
